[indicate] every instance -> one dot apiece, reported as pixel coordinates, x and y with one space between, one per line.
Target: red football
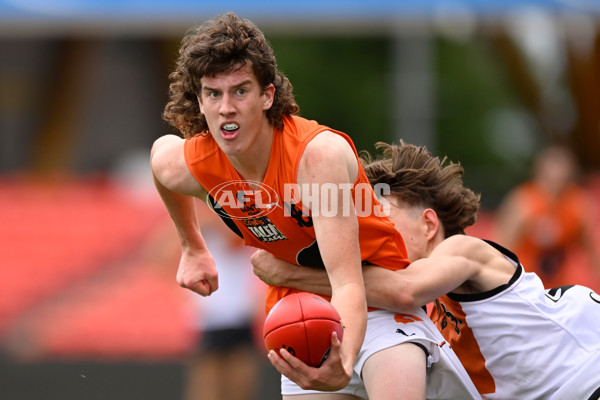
302 324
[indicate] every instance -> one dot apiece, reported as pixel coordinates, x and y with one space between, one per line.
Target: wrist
193 247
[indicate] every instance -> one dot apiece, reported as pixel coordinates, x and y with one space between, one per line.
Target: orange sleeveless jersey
275 220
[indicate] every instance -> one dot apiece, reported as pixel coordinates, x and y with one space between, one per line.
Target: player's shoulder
328 154
486 265
169 166
329 138
474 249
166 150
327 145
168 145
460 244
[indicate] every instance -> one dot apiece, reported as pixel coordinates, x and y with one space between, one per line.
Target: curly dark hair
223 44
418 179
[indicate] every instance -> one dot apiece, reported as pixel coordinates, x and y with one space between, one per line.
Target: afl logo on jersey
243 199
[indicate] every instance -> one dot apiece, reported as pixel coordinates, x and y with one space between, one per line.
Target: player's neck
253 163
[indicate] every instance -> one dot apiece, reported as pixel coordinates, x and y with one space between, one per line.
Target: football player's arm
404 290
277 272
178 190
446 269
329 160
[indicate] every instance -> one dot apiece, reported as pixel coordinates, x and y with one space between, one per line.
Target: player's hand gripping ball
302 323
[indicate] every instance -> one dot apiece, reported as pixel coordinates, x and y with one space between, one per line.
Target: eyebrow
243 83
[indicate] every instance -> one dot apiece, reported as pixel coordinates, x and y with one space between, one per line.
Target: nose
226 105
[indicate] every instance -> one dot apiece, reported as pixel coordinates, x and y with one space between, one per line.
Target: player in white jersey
519 340
516 339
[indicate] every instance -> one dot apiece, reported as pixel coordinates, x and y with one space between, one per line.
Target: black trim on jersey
499 289
595 395
224 216
503 250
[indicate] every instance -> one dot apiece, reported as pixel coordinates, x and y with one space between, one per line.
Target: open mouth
231 127
229 130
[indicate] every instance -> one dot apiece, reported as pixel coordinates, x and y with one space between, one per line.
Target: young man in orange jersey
516 339
289 185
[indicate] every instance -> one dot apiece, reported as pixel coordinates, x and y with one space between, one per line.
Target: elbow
391 294
405 300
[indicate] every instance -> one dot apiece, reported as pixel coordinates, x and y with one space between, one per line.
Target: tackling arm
403 290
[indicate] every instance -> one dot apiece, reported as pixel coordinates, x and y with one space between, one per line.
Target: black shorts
223 340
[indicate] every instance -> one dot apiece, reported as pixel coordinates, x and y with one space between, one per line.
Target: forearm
383 288
182 210
452 263
389 290
310 280
277 272
177 189
349 301
343 263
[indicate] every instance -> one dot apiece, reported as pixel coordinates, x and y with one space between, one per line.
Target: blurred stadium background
86 309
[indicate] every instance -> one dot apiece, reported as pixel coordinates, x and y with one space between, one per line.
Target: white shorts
446 378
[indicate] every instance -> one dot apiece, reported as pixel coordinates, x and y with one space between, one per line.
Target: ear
269 96
431 222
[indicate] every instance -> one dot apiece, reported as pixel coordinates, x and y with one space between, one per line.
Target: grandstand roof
115 16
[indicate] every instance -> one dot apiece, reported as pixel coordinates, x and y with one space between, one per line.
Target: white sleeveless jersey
522 341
